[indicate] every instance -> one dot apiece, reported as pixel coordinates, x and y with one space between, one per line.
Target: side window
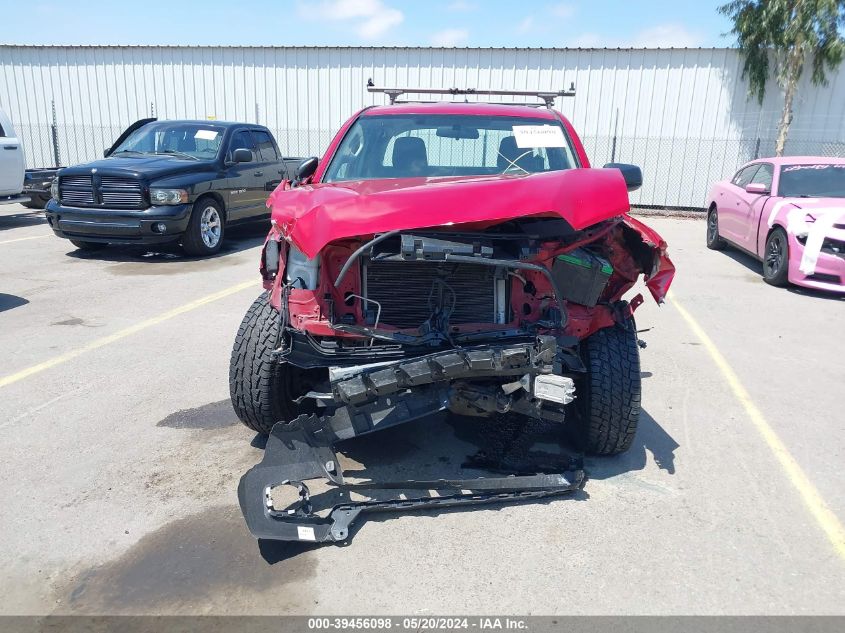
242 140
764 175
744 176
2 132
265 146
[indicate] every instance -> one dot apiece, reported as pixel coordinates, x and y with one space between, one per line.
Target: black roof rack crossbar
548 97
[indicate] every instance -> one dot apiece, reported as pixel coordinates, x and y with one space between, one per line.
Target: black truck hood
148 167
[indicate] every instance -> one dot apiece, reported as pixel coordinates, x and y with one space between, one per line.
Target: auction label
530 136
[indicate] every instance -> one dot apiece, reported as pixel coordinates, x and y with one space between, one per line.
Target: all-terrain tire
609 402
260 387
714 241
199 239
88 246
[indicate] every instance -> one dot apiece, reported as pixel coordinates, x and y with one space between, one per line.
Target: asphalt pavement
121 457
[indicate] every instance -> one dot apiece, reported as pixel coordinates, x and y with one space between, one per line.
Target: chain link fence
677 172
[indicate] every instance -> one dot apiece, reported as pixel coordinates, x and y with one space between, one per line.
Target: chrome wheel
775 255
210 227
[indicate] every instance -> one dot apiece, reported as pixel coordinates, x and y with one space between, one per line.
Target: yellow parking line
23 239
823 515
132 329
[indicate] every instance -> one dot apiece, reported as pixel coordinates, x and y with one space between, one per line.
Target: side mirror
307 168
757 188
241 155
632 174
106 152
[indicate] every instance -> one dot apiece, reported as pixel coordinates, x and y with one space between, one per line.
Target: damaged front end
386 328
361 401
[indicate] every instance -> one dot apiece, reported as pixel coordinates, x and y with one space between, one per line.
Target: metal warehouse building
681 114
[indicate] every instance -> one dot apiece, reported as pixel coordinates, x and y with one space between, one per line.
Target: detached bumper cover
290 459
379 397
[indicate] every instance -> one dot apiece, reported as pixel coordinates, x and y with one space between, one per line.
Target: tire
714 242
776 258
260 387
36 201
609 403
88 246
204 235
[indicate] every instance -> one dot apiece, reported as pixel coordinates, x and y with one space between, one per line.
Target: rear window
265 145
427 146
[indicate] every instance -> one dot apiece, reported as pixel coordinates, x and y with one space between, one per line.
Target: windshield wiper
175 152
127 151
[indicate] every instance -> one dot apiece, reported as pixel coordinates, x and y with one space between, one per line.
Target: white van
12 164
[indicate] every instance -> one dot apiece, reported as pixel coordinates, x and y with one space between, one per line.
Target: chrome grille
77 190
402 289
121 192
113 191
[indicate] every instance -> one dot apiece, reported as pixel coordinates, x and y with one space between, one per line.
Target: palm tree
782 36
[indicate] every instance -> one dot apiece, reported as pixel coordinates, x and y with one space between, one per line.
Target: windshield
186 140
812 181
426 146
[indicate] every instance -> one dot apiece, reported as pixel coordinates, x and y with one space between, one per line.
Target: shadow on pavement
8 302
21 220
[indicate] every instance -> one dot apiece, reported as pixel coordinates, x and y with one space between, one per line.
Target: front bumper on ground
363 400
126 226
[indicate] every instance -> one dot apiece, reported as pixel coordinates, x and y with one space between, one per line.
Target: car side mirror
632 174
241 155
106 152
307 168
756 187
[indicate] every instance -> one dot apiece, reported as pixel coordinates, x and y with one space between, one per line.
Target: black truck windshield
186 140
430 146
824 180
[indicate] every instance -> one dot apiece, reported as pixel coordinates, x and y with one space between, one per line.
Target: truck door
11 159
245 192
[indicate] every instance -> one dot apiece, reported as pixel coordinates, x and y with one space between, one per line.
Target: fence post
757 149
613 146
54 136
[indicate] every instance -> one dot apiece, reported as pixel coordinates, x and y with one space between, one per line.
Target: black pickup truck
169 181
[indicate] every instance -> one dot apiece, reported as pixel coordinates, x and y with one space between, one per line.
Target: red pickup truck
441 256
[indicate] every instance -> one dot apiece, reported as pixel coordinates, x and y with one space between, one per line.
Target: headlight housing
54 189
168 196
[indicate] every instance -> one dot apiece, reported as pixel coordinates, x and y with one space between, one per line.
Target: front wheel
609 403
262 388
204 235
776 259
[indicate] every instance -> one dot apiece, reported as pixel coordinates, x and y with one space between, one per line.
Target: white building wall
682 114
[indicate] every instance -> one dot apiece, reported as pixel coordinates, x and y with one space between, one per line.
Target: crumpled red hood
312 216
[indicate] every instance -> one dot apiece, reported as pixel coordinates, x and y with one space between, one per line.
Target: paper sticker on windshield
530 136
206 135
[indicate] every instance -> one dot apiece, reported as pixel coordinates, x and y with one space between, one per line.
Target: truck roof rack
548 97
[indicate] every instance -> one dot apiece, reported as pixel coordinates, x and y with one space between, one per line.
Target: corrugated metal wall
682 114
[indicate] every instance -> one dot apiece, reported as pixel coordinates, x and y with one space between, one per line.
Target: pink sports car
788 212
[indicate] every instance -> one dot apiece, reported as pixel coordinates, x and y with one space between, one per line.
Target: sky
533 23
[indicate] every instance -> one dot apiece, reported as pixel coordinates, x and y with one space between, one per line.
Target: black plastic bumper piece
290 458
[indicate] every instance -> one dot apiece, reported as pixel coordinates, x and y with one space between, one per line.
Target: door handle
10 147
258 173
